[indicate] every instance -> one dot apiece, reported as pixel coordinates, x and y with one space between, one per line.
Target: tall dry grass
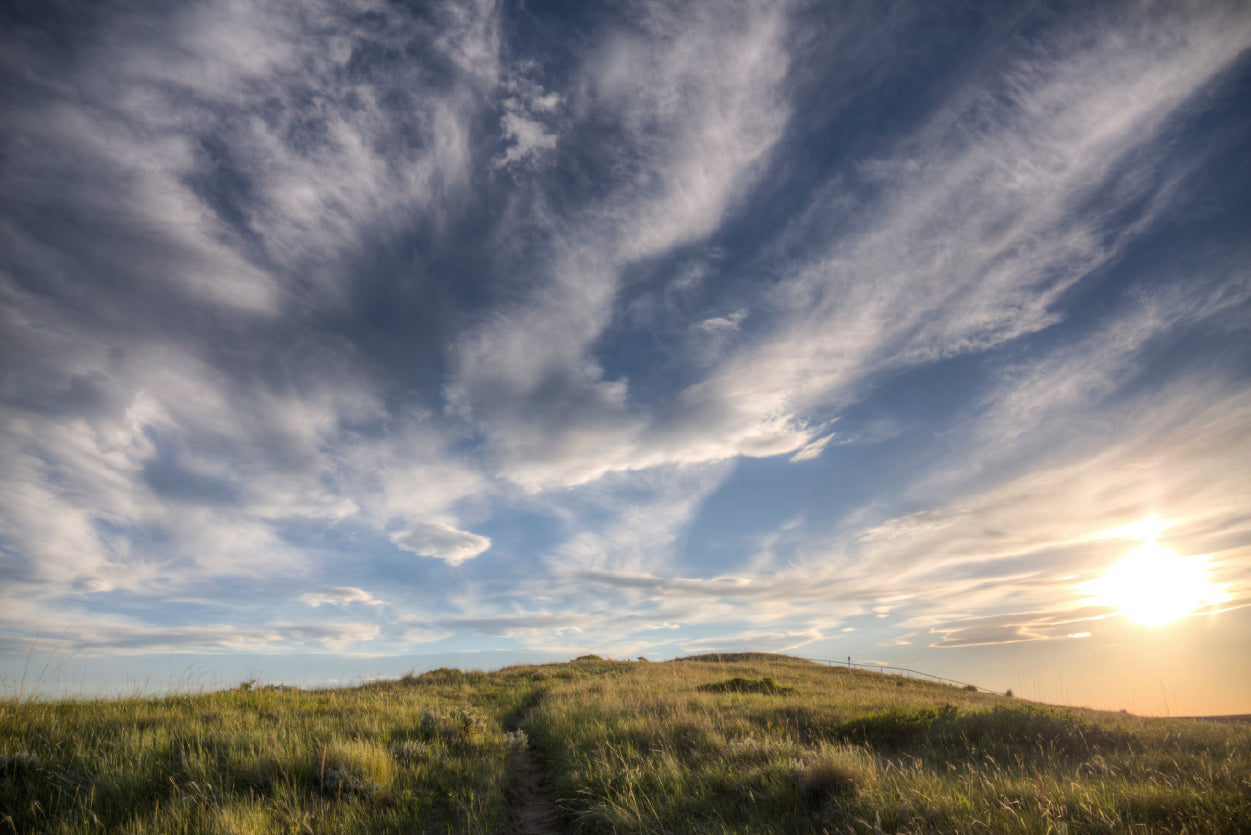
685 746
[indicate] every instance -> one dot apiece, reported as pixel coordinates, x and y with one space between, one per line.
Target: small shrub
469 725
463 728
431 724
341 781
411 750
355 768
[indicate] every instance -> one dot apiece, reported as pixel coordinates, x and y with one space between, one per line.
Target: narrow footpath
530 808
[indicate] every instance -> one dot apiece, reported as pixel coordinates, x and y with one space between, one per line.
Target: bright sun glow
1152 585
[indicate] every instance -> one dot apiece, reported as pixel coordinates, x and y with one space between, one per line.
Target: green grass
750 743
425 753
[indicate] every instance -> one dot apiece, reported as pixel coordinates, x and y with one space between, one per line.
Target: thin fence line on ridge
882 668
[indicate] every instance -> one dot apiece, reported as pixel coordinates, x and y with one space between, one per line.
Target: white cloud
643 517
698 92
441 542
1035 398
527 122
758 641
720 325
528 137
813 449
424 635
342 596
337 637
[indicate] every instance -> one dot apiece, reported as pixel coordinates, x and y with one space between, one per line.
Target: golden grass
626 747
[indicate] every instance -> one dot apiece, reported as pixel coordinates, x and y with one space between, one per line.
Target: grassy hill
727 743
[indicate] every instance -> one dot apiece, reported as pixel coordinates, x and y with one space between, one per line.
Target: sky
341 339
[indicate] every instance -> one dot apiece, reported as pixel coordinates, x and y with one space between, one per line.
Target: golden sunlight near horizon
1152 585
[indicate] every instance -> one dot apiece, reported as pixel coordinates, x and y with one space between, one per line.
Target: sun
1152 585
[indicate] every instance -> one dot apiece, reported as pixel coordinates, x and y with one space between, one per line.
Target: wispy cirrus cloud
981 222
696 104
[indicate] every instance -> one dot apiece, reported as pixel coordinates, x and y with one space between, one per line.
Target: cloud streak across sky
371 329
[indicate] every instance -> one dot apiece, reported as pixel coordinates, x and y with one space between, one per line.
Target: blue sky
344 338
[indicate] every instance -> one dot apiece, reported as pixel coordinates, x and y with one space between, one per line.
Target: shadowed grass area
751 743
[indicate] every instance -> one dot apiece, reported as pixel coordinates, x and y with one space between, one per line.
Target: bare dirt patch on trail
530 811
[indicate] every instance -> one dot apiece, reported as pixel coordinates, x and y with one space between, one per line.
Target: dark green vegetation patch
745 685
1002 729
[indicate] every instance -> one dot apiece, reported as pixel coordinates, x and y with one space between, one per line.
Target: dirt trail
530 809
